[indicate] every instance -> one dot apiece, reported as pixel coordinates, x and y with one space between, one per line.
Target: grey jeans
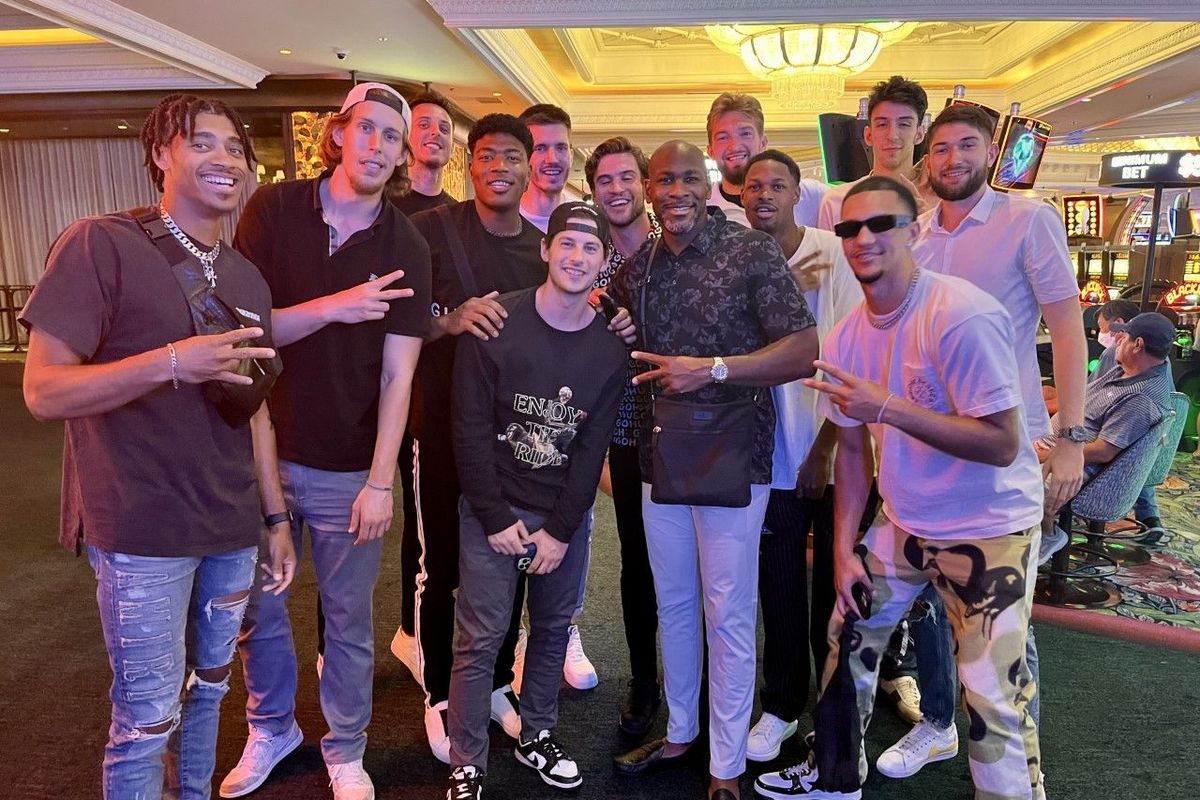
487 583
346 575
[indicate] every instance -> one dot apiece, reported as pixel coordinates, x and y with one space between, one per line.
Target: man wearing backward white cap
329 248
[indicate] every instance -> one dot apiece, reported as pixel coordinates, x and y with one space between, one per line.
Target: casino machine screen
1021 149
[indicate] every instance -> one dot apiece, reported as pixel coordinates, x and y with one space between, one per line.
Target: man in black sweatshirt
533 411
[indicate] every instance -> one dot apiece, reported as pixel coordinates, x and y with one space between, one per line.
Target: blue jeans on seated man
1146 506
936 666
161 618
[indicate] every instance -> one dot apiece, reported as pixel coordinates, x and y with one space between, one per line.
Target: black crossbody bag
701 451
236 403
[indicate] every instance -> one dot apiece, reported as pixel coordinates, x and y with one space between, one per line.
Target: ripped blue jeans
170 627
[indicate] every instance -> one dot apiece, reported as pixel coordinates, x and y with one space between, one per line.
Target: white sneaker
905 693
766 737
519 659
350 781
261 754
404 648
924 744
506 711
577 668
435 731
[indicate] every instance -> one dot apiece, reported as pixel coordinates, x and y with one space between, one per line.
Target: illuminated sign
1183 295
1170 168
1083 214
1093 293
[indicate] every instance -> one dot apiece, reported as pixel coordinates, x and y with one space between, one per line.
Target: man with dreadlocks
329 247
159 482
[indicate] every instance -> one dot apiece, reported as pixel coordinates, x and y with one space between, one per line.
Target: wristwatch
1075 433
274 519
719 371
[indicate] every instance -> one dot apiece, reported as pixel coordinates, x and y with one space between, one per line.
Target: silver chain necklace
499 235
206 259
895 316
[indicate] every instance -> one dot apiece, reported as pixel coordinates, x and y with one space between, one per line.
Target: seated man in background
1125 402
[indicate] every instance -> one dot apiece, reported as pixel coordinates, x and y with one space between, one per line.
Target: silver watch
719 371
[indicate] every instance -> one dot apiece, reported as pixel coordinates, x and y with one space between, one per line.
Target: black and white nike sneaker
798 781
466 783
555 767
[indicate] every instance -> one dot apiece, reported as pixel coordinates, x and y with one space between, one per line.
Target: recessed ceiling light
283 51
245 124
122 126
4 130
495 94
383 38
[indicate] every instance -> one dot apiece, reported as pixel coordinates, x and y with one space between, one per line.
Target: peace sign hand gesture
855 397
676 374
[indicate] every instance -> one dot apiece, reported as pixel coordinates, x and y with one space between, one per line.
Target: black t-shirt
496 263
162 475
533 415
414 202
325 405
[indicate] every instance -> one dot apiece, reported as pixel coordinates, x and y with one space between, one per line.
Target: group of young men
460 344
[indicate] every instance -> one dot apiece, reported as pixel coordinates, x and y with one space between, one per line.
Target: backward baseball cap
580 216
379 93
1156 331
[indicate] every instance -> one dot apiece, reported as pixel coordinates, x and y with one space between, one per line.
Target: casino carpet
1160 600
1119 718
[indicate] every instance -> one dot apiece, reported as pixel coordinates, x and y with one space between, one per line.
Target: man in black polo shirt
724 319
349 348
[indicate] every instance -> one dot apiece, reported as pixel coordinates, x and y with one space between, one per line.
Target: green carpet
1119 720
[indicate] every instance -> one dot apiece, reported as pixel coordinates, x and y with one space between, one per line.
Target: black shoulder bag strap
458 253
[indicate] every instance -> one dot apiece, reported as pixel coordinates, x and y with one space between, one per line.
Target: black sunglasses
848 229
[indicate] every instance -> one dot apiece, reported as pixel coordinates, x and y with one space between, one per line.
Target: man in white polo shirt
925 367
1015 249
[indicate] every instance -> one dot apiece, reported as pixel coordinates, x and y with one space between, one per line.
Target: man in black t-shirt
530 433
502 254
158 486
339 412
430 141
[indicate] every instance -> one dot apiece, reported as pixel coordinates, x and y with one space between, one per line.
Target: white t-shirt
830 212
952 353
797 420
1015 249
541 223
805 211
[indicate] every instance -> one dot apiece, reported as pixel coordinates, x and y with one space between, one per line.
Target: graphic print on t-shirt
543 440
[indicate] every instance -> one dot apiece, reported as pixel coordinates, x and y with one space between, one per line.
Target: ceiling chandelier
807 65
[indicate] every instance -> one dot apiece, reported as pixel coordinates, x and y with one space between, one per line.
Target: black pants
436 492
639 607
900 658
783 594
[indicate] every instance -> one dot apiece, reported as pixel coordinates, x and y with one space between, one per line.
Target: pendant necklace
206 259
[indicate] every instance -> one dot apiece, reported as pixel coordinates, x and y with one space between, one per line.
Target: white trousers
711 554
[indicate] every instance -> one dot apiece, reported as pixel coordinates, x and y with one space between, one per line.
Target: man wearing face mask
1119 312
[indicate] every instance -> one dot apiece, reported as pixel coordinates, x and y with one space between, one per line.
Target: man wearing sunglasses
926 367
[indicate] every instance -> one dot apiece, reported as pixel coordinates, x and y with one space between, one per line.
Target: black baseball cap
578 216
1156 331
